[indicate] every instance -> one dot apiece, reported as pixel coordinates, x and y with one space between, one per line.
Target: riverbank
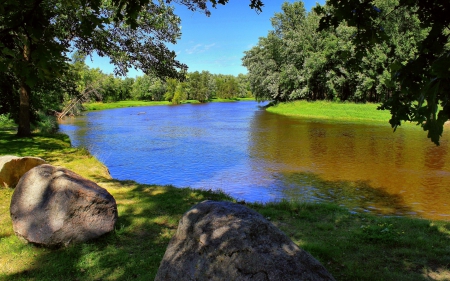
318 110
351 246
136 103
336 111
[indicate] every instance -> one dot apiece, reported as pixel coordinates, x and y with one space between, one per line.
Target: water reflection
357 196
258 156
362 167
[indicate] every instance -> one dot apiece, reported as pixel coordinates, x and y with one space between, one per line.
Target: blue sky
217 43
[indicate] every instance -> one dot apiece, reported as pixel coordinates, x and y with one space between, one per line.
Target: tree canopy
422 94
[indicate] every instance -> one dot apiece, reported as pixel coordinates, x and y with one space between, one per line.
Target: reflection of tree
435 156
354 153
357 196
279 139
317 136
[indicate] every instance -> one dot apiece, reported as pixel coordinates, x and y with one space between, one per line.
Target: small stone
12 168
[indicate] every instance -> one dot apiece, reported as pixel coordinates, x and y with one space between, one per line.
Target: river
258 156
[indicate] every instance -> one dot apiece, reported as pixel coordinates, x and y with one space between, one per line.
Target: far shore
326 111
93 106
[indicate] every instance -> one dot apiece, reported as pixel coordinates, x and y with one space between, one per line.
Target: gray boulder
226 241
53 206
12 168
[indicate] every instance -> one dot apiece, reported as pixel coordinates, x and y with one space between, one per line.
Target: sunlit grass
351 246
335 111
122 104
92 106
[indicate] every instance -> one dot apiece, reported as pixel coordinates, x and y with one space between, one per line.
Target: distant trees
201 86
204 86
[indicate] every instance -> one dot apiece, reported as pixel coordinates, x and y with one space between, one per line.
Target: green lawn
334 111
351 246
121 104
137 103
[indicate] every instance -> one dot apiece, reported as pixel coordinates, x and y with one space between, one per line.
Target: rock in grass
226 241
54 206
12 168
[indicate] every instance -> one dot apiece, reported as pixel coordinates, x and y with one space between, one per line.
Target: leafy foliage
421 91
392 52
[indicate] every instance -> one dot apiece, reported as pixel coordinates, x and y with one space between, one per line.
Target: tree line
201 86
296 60
91 84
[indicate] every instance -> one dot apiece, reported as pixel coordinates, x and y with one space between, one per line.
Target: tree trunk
24 92
24 112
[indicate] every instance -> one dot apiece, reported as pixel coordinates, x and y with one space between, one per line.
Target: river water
258 156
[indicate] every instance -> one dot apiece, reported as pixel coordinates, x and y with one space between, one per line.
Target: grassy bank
351 246
334 111
121 104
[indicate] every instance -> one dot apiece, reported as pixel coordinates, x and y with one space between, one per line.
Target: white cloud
199 48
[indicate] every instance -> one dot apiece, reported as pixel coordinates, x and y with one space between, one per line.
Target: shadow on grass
359 246
11 144
350 246
148 218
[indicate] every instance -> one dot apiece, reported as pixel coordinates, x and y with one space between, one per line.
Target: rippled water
254 155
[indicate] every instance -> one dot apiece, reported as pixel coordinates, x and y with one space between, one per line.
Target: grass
122 104
334 111
350 246
136 103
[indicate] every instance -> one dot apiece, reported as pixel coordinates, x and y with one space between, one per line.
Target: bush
6 121
45 124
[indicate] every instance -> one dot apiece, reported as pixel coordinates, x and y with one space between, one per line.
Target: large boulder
12 168
53 206
226 241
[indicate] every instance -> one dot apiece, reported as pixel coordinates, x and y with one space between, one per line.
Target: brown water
258 156
359 166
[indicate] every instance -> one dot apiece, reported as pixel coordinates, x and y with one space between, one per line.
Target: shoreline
329 111
321 111
95 106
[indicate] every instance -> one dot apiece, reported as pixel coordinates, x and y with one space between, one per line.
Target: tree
198 86
148 87
171 86
37 35
180 93
424 80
